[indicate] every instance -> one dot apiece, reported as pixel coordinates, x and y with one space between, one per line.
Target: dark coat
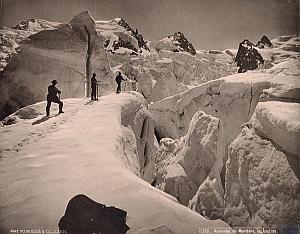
52 93
119 79
93 82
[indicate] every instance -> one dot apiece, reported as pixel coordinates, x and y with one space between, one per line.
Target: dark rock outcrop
135 34
183 43
264 42
24 25
175 43
124 44
83 215
248 58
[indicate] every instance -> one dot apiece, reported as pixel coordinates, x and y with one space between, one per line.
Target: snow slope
88 150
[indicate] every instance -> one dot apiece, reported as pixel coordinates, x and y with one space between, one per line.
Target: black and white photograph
149 116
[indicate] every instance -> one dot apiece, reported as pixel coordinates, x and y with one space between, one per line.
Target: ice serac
50 54
66 53
97 153
155 84
209 201
138 125
279 122
194 69
185 164
262 172
11 38
166 85
162 73
96 58
167 73
231 99
145 83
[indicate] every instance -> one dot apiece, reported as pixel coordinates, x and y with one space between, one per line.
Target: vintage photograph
149 116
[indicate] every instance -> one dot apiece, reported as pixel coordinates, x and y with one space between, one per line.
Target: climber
94 87
52 97
119 79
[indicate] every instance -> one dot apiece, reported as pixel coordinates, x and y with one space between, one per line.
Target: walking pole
97 93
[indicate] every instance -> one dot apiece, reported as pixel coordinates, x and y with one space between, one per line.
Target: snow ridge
101 168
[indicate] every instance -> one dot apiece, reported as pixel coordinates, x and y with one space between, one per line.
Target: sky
207 24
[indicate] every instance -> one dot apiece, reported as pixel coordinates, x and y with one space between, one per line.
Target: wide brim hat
54 81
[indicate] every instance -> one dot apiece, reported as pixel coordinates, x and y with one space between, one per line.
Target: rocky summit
247 58
264 42
175 43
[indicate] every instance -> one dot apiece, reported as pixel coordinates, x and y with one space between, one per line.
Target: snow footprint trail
34 125
83 157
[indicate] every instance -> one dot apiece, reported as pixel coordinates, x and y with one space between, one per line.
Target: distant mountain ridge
175 43
139 37
36 25
120 37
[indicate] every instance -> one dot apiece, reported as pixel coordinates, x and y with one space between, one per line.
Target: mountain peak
83 19
247 58
176 43
35 25
123 23
247 44
264 42
139 37
24 25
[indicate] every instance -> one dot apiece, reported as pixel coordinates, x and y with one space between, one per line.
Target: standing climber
52 97
119 79
94 87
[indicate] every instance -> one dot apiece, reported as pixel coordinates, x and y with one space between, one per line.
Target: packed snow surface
45 163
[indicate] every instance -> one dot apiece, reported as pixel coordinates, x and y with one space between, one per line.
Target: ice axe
125 86
97 90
